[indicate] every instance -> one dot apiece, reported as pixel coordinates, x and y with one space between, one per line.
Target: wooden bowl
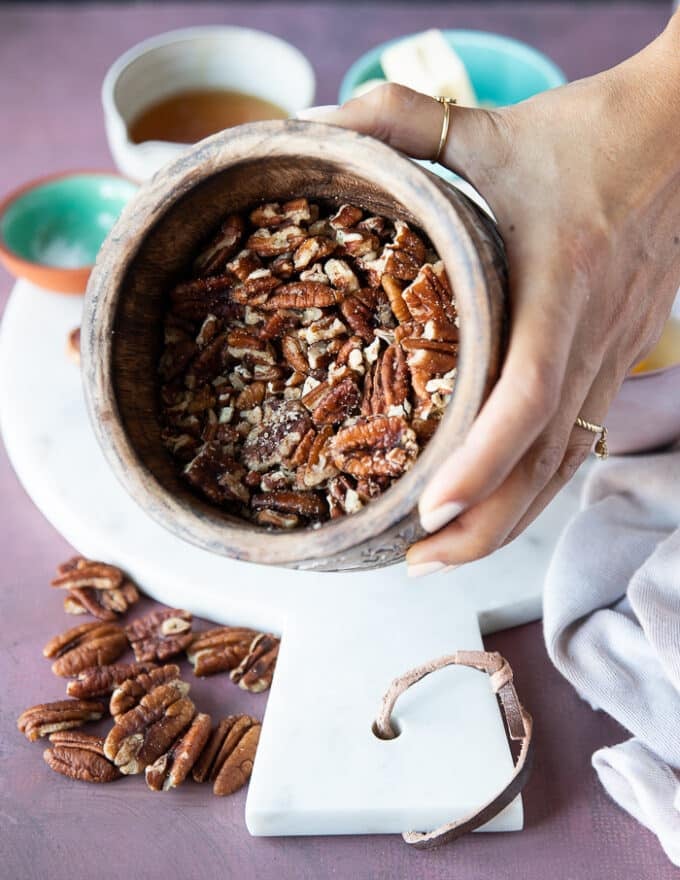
153 241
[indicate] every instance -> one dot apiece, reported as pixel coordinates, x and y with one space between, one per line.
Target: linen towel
612 628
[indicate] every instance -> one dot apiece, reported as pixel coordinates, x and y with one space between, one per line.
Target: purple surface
52 60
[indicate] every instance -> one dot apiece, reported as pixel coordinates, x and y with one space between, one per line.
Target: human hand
584 182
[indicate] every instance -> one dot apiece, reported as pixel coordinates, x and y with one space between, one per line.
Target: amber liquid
666 352
187 117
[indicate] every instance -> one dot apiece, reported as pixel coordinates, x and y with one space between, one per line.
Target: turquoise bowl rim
14 198
554 75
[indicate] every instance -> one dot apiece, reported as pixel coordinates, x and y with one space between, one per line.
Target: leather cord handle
518 721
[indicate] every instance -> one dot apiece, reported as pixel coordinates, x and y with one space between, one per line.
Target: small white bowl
234 58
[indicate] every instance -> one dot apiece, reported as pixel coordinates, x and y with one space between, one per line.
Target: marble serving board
320 769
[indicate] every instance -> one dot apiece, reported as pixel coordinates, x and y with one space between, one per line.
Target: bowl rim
367 158
37 183
179 35
355 72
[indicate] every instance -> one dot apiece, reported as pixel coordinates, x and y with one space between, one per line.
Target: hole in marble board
395 727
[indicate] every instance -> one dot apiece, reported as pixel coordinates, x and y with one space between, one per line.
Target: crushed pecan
46 718
302 332
227 760
173 767
80 756
90 644
160 635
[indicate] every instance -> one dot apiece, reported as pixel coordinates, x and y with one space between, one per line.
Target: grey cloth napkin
612 628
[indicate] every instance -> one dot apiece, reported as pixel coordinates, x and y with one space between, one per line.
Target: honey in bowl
190 116
666 352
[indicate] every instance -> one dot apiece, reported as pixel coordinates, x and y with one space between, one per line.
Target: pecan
192 300
319 466
381 446
294 353
99 680
129 692
346 216
227 761
223 246
95 587
175 358
256 670
173 767
220 649
216 474
400 264
274 325
342 497
358 242
271 244
358 316
316 247
103 604
275 520
338 403
282 266
431 356
244 264
90 644
393 290
304 504
73 345
341 276
47 718
405 239
301 295
284 425
394 376
80 756
272 214
429 298
160 634
252 395
141 735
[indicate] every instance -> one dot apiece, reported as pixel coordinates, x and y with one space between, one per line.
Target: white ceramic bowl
234 58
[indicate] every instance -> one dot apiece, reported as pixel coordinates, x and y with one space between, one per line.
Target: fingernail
317 114
422 569
433 520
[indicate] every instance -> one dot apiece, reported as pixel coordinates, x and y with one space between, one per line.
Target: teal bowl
502 70
51 229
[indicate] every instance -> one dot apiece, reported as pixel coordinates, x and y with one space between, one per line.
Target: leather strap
519 725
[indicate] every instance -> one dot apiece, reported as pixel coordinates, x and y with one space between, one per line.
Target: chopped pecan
100 680
400 264
80 756
405 239
338 403
160 635
216 474
346 216
271 244
90 644
342 497
272 214
244 264
284 425
393 290
129 692
430 355
173 767
380 446
358 242
227 761
141 735
312 249
223 246
341 276
304 504
275 520
358 316
282 266
319 466
47 718
256 671
220 649
192 300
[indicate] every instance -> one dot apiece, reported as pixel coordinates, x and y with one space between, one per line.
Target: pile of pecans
308 359
157 729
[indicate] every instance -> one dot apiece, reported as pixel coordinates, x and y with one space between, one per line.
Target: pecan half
269 444
304 504
338 403
301 295
160 635
95 588
380 446
227 761
220 649
173 767
223 246
128 693
90 644
100 680
143 734
80 756
281 241
256 671
46 718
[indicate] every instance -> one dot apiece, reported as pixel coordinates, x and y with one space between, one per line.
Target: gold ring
601 450
446 104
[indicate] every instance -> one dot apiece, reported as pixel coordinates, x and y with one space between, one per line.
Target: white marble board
345 636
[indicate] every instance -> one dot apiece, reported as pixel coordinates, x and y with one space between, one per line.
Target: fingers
520 407
412 122
537 477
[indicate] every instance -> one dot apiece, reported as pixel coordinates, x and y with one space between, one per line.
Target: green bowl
502 70
51 229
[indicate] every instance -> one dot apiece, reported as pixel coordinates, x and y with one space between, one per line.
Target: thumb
412 122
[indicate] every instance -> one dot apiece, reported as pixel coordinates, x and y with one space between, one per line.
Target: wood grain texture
151 245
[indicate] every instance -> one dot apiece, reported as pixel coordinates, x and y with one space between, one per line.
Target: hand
585 184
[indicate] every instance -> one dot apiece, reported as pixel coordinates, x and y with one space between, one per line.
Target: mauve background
52 60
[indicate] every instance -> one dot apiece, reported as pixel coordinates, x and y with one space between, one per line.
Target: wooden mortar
154 240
